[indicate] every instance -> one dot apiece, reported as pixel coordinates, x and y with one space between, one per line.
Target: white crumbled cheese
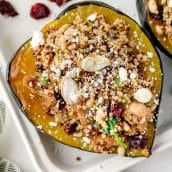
156 101
115 64
99 39
89 127
84 88
74 72
81 56
100 81
74 96
38 84
123 75
56 88
115 52
100 100
169 3
39 127
96 84
53 124
37 39
86 140
91 47
77 134
57 105
76 40
150 54
53 68
152 69
45 74
31 96
133 75
30 84
65 63
86 95
92 17
143 95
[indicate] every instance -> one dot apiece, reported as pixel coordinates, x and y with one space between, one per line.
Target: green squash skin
155 38
136 152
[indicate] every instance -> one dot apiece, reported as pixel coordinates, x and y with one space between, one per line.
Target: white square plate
46 154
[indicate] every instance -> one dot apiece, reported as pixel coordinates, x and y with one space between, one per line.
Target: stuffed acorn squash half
90 79
156 18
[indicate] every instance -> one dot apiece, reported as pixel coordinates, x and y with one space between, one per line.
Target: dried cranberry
117 110
39 67
57 95
59 2
48 112
62 104
70 128
60 99
133 53
137 141
39 11
141 73
7 8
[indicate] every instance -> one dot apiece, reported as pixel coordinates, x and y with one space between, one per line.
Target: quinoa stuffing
92 77
161 11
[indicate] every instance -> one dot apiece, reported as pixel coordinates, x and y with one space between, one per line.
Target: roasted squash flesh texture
24 64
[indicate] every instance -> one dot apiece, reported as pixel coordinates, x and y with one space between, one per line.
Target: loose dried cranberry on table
70 128
39 11
137 141
59 2
7 8
116 110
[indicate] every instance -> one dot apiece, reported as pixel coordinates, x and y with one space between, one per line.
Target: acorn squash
23 63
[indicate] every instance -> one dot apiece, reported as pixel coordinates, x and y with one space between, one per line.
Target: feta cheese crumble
65 63
53 68
86 140
37 39
150 54
74 97
123 75
169 3
39 127
100 100
152 69
92 17
133 75
74 72
143 95
53 124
